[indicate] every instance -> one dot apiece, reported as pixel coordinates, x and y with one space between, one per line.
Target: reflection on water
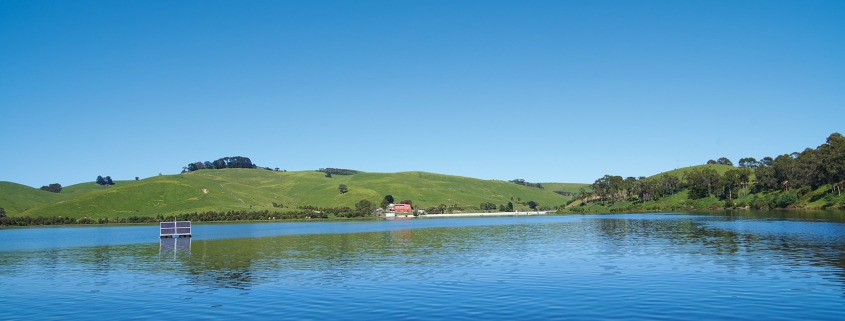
174 246
745 265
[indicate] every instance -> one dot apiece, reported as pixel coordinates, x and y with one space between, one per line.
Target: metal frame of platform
175 229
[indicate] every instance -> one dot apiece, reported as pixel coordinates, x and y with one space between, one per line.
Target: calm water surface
744 266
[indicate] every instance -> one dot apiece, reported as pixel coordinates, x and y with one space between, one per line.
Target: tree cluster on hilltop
220 163
337 171
54 188
104 181
789 176
522 182
721 161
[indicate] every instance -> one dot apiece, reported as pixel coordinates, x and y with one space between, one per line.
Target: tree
406 202
729 182
329 175
748 162
702 182
532 205
510 207
765 175
109 181
102 181
711 162
365 207
342 188
389 198
136 178
2 212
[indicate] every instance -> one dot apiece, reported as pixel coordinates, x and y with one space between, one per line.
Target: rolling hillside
254 190
566 187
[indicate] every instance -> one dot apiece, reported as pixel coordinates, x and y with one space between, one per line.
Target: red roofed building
402 208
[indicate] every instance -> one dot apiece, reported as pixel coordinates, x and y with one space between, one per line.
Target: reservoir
722 265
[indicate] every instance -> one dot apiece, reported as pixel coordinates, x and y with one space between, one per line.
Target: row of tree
615 188
721 161
522 182
337 171
808 170
220 163
813 168
210 216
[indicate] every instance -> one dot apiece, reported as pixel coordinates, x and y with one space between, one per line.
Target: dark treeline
225 162
210 216
721 161
522 182
55 188
489 206
615 188
337 171
337 211
780 181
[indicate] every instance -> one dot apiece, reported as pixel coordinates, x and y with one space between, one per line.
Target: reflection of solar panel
175 229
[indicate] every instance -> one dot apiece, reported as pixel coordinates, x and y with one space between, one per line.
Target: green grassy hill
255 189
17 198
566 187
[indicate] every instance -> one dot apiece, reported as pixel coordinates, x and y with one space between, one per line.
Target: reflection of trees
320 258
725 243
326 258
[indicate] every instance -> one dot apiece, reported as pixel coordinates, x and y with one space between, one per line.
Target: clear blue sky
562 91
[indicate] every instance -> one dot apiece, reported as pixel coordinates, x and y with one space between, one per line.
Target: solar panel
181 228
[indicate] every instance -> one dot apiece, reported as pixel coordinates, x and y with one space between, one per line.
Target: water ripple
574 267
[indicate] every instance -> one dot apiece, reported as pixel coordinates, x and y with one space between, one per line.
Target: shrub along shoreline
211 216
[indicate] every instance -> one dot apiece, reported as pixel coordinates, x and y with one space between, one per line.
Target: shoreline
491 214
484 214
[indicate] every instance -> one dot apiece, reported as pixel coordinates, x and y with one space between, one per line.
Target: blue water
630 266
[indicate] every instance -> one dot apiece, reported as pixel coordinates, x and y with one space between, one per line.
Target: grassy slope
248 189
16 198
566 187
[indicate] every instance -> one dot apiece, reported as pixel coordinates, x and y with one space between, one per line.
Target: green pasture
257 189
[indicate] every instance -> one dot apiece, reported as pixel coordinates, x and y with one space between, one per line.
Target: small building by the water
402 208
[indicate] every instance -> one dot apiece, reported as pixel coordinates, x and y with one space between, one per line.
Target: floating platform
175 229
